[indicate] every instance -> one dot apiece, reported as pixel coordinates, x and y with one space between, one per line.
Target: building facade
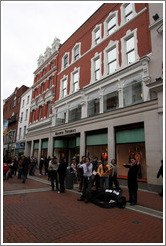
23 123
104 103
11 110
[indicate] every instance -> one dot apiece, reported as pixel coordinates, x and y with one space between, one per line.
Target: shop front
44 148
36 149
130 142
66 147
97 144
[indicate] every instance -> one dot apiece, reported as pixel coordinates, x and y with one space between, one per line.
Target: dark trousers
132 195
87 184
54 176
115 181
62 183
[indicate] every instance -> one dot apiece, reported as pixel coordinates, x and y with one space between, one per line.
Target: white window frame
97 28
129 35
19 134
65 78
96 57
76 70
28 99
25 128
23 101
63 58
77 45
111 16
112 45
21 118
50 81
123 17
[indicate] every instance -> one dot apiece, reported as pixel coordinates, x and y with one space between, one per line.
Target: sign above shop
65 132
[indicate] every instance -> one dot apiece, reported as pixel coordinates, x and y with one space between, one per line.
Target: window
96 68
76 53
48 108
52 64
50 81
130 51
61 116
129 48
44 71
21 118
93 107
75 113
128 12
132 91
74 84
23 103
19 136
40 112
64 88
96 35
112 60
28 99
111 26
14 102
24 132
66 60
33 115
42 87
35 92
26 115
18 100
111 99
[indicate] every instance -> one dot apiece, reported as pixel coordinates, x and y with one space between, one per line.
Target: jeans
87 184
102 181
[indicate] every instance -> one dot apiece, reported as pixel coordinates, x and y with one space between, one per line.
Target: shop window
111 99
132 91
61 116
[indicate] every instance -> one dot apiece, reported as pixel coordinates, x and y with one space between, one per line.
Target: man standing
132 180
87 180
53 168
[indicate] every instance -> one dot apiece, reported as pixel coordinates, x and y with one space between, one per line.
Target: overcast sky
28 27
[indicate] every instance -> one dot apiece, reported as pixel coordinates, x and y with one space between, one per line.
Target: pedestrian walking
53 168
103 172
46 163
74 167
62 174
20 166
160 173
132 180
87 180
113 175
80 174
24 169
41 165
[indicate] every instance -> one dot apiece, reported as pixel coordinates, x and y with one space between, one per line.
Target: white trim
76 70
73 50
63 68
97 27
93 59
61 84
110 16
122 8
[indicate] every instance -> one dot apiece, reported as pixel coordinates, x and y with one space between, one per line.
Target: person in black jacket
62 174
160 173
132 180
24 169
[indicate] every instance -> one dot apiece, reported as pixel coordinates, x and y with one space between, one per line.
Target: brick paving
49 217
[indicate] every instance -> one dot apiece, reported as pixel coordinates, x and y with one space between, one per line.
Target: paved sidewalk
49 217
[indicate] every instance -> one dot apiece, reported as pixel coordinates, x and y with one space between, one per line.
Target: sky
28 27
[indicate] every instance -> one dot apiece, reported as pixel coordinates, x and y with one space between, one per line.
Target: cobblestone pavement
39 215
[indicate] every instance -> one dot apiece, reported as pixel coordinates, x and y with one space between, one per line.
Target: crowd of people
86 173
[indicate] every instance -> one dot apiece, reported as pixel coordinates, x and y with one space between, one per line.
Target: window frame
106 22
111 46
123 16
98 56
76 71
65 78
99 39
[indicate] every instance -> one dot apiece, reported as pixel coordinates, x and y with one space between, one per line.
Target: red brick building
105 102
11 110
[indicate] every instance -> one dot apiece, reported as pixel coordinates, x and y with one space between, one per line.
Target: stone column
39 154
82 144
50 146
101 97
111 143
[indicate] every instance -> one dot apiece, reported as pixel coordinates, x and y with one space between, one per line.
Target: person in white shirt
87 180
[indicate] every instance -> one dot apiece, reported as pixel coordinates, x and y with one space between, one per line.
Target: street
32 213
